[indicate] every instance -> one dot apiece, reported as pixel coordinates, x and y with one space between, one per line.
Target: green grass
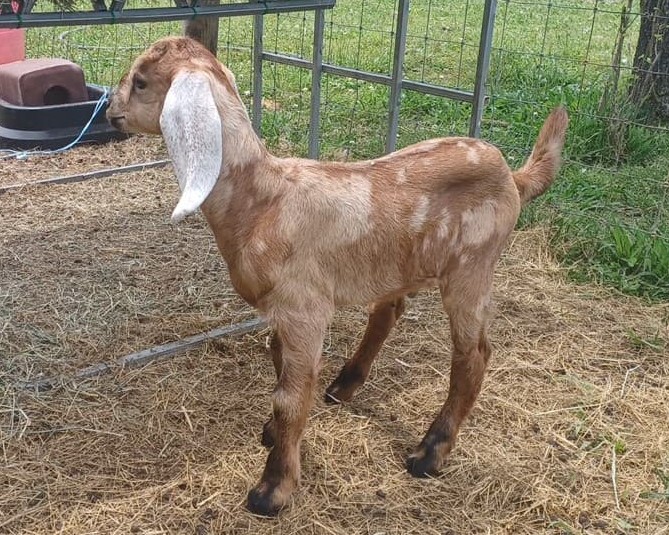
608 210
611 227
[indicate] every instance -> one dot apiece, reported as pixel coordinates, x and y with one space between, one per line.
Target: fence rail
158 14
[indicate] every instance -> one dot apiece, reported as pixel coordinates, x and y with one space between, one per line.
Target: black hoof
260 503
267 438
344 386
421 467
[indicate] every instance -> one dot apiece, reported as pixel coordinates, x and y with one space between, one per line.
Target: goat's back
383 227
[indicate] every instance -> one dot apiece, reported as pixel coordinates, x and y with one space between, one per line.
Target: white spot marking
259 246
429 144
326 213
479 223
482 308
413 150
420 214
402 176
473 156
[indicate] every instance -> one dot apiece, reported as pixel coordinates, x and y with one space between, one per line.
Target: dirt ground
570 433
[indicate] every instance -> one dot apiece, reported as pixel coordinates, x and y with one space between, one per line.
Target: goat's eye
139 83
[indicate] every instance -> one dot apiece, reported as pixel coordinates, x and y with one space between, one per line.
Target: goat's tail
533 178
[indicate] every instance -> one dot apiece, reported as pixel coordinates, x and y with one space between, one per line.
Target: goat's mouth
117 121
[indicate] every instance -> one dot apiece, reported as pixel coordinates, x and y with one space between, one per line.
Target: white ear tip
188 204
179 214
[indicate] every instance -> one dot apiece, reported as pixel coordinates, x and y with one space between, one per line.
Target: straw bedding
576 397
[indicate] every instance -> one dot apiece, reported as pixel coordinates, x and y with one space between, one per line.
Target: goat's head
177 88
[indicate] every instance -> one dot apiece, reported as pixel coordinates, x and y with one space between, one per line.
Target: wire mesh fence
106 51
360 36
609 209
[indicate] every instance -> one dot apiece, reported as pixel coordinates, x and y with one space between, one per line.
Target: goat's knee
275 350
289 414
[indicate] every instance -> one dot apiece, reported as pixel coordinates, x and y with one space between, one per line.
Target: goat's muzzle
116 121
115 118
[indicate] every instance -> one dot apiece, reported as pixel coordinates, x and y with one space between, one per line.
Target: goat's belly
378 291
359 283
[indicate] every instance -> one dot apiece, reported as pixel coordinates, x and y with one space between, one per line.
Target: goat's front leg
301 343
355 372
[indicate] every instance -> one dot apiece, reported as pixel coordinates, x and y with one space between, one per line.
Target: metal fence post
482 66
258 28
316 75
397 74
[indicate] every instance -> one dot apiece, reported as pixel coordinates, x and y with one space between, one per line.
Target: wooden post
204 29
650 86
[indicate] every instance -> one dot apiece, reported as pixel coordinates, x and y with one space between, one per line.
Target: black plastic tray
52 127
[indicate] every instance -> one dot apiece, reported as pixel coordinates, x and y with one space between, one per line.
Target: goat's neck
237 204
248 167
248 179
241 145
248 173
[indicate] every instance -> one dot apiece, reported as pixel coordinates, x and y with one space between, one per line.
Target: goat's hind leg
275 349
471 352
354 373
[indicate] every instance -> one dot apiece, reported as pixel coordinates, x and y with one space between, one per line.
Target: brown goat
301 237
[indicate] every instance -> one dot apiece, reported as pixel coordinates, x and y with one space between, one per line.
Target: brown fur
301 237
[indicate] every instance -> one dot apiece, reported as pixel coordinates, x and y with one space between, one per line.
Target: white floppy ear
191 128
